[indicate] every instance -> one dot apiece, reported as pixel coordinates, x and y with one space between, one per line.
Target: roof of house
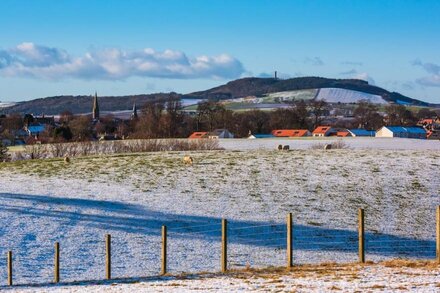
289 132
410 129
322 129
36 128
343 133
198 134
426 121
362 132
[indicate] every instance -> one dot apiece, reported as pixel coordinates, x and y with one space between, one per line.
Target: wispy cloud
352 63
314 61
433 79
36 61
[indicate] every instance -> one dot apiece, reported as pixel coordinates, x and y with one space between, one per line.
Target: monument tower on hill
95 111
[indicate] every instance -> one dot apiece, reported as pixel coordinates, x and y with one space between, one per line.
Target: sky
77 47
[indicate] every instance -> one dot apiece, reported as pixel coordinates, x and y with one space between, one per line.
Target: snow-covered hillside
336 95
132 196
331 95
6 105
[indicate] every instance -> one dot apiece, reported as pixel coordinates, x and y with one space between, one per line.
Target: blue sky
131 47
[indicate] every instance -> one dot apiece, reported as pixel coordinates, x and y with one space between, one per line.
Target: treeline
166 119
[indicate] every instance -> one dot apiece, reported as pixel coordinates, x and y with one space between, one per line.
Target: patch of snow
335 95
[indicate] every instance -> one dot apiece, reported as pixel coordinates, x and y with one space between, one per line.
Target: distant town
167 118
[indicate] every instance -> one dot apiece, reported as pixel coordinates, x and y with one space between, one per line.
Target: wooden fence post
164 250
57 263
108 257
289 241
224 254
361 228
438 234
9 268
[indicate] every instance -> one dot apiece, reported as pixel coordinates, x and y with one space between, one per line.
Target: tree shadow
111 216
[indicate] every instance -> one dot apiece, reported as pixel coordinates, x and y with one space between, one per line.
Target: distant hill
240 88
81 104
260 86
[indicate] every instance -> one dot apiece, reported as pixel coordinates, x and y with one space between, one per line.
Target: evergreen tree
4 156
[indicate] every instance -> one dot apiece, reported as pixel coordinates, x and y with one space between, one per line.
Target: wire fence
206 247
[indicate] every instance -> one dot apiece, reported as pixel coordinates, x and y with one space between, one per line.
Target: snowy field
252 185
358 143
383 277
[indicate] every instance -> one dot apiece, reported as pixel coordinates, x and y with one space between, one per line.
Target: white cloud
364 76
30 60
433 79
349 72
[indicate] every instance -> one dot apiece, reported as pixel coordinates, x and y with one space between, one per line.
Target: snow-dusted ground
131 196
382 277
364 143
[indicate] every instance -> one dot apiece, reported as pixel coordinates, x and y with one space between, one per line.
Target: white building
401 131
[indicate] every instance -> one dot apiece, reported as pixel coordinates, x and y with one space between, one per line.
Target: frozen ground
131 196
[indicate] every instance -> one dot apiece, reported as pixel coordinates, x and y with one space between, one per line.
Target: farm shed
260 135
362 132
401 131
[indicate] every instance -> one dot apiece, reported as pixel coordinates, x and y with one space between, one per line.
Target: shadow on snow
111 216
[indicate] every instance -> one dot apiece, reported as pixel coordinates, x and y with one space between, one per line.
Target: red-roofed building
343 133
199 134
290 132
324 131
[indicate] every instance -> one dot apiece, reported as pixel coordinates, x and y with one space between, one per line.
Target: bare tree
318 108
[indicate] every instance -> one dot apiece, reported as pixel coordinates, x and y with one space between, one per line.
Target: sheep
286 148
188 160
280 147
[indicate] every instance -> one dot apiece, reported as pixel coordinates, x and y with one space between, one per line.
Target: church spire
134 114
95 111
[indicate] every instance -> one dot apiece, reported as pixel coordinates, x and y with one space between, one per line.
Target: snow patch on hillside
337 95
6 104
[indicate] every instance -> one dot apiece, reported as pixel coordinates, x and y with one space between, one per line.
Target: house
199 134
402 131
355 132
220 133
324 131
291 132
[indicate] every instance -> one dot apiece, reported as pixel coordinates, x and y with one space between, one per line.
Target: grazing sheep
328 146
286 148
280 147
188 160
66 159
